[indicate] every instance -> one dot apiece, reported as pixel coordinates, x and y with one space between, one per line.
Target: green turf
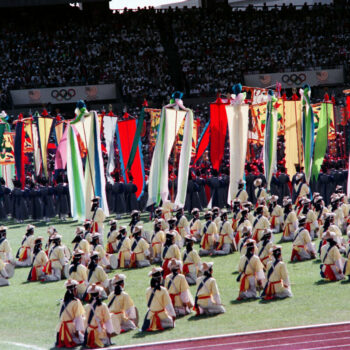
29 312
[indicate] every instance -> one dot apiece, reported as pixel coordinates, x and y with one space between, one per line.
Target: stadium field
29 311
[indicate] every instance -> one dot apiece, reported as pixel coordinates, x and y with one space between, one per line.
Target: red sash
270 290
156 321
185 268
65 339
328 272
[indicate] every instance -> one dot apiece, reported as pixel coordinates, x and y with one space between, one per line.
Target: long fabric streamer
308 131
218 130
136 141
19 152
44 128
95 183
75 176
109 125
270 140
238 118
170 122
321 138
203 142
126 132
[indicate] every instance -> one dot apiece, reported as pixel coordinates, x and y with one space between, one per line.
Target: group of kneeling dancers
262 273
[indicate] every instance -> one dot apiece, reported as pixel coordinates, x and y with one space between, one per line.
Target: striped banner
44 128
170 122
95 182
19 152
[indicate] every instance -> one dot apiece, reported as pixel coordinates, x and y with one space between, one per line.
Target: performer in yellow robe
277 284
226 242
301 189
5 248
209 232
207 299
57 261
121 306
24 254
261 223
276 214
264 247
39 261
195 225
243 222
70 330
79 273
157 241
103 257
123 248
161 313
97 275
112 237
320 211
331 260
191 261
178 288
303 249
98 322
259 191
251 272
139 249
241 193
169 251
290 221
79 242
182 225
158 214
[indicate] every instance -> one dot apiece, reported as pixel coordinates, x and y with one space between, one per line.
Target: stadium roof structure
30 3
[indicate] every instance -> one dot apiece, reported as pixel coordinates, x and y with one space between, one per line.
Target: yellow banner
28 136
293 135
7 155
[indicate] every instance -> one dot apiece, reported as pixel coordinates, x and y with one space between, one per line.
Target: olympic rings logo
63 94
294 79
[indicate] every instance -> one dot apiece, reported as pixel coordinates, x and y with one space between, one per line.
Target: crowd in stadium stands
215 48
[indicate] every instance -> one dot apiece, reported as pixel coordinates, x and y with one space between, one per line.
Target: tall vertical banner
203 143
293 132
75 176
170 122
61 152
270 140
19 152
126 135
36 150
109 126
218 129
238 120
308 131
44 128
7 155
59 129
28 136
95 183
321 138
